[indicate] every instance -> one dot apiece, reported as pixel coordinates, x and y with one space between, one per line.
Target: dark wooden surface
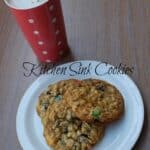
115 31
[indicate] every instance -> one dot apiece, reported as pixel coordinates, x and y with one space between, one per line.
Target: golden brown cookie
95 100
64 131
54 93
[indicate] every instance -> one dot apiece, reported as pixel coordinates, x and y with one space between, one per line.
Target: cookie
54 93
95 100
64 131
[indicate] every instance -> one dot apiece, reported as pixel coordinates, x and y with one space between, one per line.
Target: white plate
120 135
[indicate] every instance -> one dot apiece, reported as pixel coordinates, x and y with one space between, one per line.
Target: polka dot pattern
41 44
48 60
59 43
54 20
51 8
45 52
36 32
57 32
30 20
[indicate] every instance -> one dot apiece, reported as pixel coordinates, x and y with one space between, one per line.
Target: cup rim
20 8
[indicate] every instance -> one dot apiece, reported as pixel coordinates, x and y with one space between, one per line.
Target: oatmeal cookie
94 99
54 93
64 131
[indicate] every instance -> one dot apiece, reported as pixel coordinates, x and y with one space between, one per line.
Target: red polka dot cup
43 26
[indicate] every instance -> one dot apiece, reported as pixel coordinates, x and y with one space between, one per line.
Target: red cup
43 27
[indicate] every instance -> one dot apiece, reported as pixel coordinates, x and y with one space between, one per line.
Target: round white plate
120 135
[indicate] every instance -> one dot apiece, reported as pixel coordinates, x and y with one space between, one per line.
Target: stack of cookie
74 112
